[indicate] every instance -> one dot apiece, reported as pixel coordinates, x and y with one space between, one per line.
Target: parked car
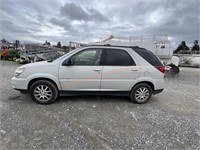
93 70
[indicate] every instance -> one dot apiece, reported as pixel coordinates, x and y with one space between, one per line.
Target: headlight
19 70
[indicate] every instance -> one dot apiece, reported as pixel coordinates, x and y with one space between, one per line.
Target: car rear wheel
141 93
43 92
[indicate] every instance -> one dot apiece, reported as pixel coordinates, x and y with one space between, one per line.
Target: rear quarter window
148 56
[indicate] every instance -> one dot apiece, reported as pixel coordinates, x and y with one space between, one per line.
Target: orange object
4 52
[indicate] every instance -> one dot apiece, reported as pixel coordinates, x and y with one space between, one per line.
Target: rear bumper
159 84
157 91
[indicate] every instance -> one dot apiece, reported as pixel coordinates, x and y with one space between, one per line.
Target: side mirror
163 46
68 62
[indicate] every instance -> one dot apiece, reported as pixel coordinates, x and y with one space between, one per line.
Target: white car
93 70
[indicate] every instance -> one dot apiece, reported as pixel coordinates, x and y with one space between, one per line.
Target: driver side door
84 73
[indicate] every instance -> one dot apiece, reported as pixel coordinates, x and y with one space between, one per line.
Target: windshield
59 57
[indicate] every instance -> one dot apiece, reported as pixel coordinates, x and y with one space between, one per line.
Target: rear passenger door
119 70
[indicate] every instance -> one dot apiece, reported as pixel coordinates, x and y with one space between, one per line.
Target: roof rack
133 47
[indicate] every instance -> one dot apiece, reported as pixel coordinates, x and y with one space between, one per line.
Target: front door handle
135 69
97 69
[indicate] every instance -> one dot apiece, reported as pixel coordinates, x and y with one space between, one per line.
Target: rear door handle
97 69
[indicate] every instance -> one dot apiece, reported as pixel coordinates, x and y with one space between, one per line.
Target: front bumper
20 84
22 91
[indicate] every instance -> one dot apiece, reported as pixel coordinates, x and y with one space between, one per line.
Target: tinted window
89 57
148 56
116 57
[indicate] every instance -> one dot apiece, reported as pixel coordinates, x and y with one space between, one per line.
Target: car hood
41 63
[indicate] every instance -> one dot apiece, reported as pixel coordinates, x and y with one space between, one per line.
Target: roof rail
109 45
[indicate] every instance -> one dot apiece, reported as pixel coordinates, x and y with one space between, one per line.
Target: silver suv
93 70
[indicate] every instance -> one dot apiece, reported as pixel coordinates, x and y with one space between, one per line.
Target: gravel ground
170 120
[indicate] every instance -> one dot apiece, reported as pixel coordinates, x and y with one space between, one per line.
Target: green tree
59 45
17 43
182 47
3 41
195 47
47 43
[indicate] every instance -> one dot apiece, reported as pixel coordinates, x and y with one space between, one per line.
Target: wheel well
147 82
36 79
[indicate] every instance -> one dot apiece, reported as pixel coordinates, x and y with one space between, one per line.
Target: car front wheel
141 93
43 92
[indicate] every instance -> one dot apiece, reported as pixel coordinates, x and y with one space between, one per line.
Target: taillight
161 68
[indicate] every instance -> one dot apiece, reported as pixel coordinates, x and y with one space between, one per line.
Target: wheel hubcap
42 93
142 94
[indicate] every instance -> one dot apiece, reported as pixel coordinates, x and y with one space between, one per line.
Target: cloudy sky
87 20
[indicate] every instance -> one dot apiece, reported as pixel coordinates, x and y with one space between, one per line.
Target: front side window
88 57
117 57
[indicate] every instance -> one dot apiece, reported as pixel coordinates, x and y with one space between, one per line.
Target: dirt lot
170 120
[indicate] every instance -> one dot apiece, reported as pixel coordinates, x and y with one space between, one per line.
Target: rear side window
117 57
148 56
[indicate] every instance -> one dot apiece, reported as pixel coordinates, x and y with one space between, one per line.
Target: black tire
43 92
174 69
141 98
